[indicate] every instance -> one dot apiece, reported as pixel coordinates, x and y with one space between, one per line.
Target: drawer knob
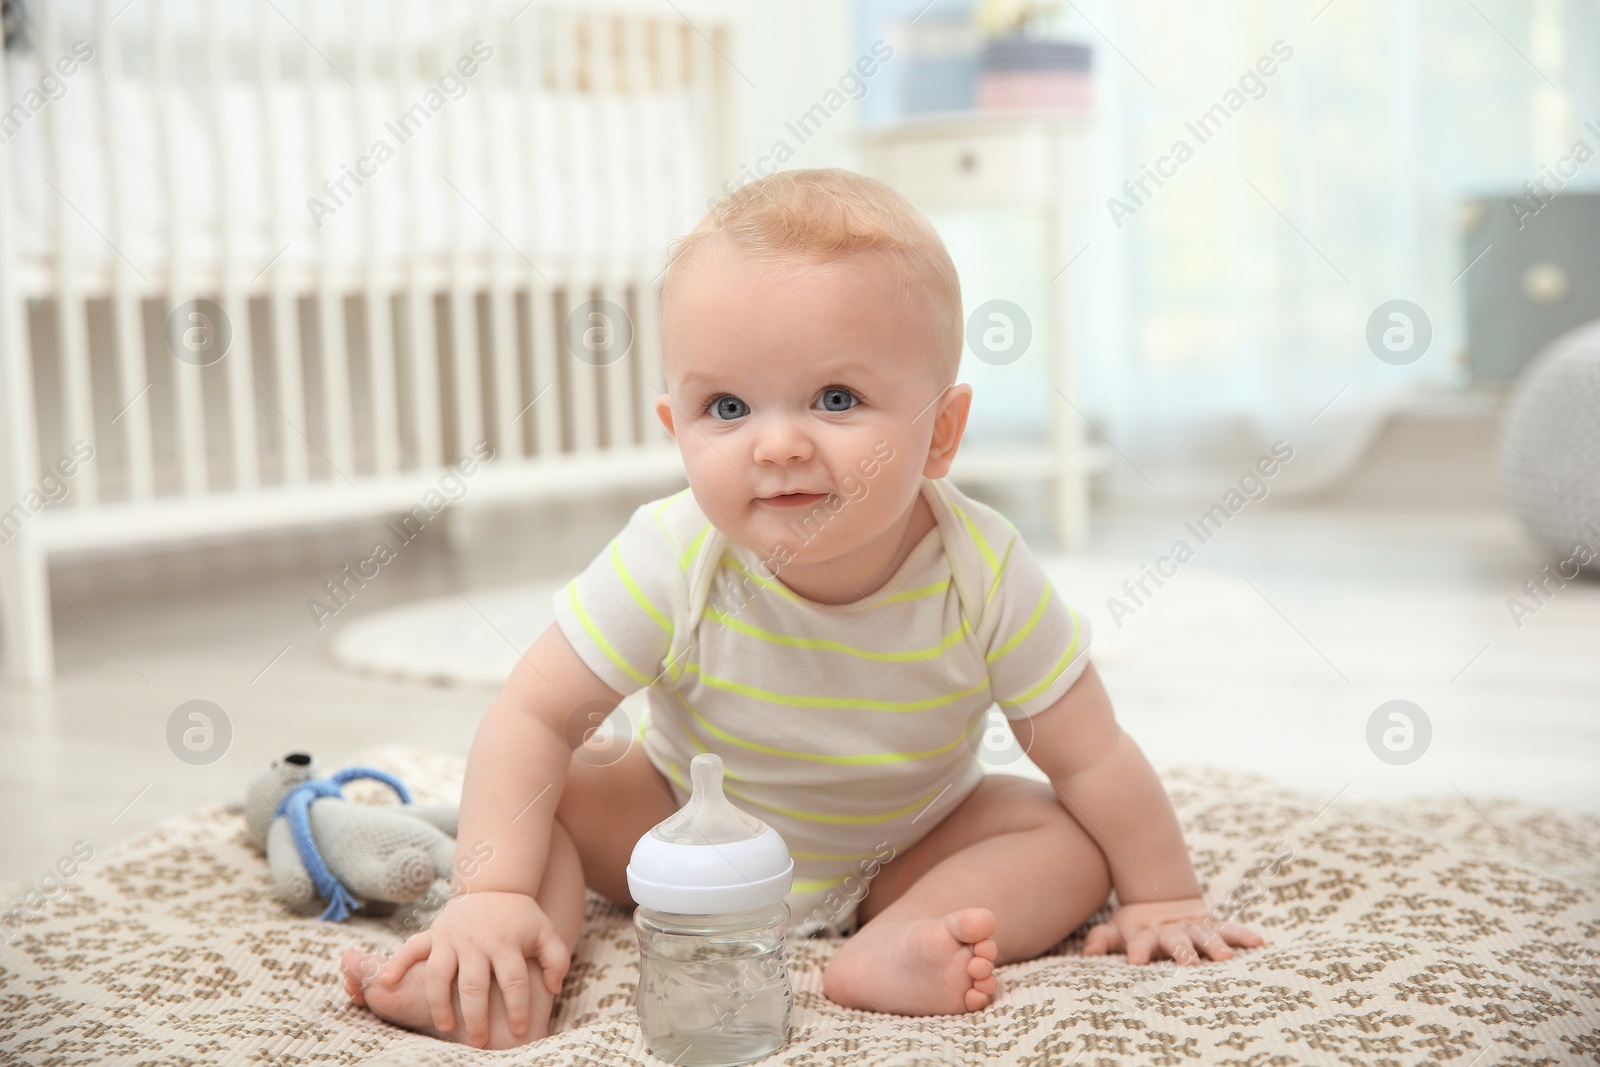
968 160
1545 283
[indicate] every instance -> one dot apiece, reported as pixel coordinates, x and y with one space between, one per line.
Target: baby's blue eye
833 393
726 406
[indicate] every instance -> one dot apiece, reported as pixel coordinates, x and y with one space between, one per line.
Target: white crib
192 157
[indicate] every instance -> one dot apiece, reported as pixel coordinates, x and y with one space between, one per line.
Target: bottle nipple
708 817
709 857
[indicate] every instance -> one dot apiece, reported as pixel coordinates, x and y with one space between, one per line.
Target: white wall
790 56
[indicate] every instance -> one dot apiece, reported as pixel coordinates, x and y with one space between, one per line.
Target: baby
834 619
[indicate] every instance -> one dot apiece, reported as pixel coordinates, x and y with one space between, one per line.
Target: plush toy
370 856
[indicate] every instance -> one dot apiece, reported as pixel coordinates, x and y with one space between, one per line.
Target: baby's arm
515 774
1105 782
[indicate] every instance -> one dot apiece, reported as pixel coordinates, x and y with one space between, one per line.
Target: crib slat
646 253
502 297
463 318
235 300
133 374
575 76
422 344
28 654
647 348
672 70
180 285
422 354
616 373
675 56
381 344
615 376
703 88
290 403
72 348
331 337
378 318
546 411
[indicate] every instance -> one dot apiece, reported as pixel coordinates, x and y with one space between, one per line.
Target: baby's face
818 382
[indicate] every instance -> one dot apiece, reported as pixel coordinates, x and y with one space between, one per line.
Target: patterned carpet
1440 931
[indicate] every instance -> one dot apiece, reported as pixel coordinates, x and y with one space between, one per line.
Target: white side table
976 161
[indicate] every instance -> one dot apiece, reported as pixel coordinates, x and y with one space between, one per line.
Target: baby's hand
1173 926
474 935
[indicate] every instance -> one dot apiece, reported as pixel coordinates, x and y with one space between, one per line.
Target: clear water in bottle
714 990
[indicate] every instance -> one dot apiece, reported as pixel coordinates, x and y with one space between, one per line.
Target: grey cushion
1550 463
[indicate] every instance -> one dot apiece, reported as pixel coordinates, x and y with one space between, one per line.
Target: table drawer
976 170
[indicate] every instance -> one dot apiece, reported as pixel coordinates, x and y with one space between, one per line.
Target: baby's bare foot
405 1003
938 966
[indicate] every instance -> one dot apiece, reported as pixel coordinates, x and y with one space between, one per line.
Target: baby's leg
605 808
405 1003
1005 876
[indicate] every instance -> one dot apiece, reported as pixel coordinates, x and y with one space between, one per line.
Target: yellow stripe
765 583
634 590
917 594
699 748
812 885
837 856
977 535
676 774
686 560
932 589
1027 627
852 703
870 759
675 667
825 644
840 820
778 587
996 583
1061 664
666 535
599 639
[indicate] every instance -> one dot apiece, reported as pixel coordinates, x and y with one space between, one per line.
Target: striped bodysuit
852 729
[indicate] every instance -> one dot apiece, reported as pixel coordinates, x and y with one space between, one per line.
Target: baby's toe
986 949
987 985
977 1000
979 967
353 963
972 926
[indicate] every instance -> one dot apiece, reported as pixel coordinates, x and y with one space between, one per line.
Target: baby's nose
783 438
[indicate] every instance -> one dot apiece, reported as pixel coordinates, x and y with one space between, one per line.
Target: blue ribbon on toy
296 806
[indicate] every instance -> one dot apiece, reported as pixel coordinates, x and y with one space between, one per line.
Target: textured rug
1442 931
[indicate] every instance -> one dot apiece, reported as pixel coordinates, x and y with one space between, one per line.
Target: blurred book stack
939 63
963 57
1034 73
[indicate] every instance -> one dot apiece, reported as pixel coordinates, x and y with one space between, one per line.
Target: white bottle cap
709 857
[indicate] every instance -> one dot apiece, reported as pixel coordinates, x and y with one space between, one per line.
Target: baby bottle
711 883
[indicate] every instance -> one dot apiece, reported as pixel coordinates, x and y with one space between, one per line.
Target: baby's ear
664 413
949 425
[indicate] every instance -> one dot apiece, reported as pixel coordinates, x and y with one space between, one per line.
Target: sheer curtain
1228 305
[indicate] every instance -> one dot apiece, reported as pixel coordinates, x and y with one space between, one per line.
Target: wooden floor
1369 597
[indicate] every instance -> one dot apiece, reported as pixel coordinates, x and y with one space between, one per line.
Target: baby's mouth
793 500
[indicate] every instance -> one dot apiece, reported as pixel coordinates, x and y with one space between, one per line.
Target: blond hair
823 214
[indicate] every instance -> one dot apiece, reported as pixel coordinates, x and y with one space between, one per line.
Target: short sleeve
1039 644
619 613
